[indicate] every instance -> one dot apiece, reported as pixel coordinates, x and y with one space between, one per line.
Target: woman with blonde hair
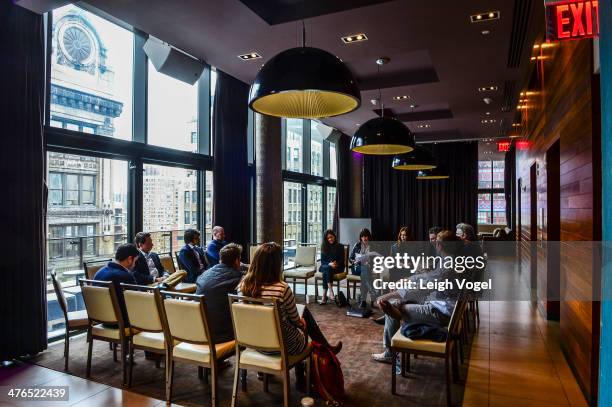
264 280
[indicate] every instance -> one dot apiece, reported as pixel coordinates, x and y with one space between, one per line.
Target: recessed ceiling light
488 16
485 32
516 124
402 97
491 88
413 106
424 126
249 56
349 39
488 113
488 121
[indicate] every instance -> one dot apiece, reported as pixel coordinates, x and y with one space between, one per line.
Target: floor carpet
367 383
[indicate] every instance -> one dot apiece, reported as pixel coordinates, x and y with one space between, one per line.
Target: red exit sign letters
503 146
570 20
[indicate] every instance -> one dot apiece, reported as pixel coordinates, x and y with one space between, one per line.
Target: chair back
305 256
92 267
167 262
101 301
185 316
61 298
141 307
456 317
252 249
178 261
256 323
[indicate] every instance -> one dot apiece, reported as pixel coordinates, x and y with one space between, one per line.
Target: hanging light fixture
304 83
382 135
433 174
417 160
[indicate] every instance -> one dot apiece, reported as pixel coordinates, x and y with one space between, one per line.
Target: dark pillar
350 180
269 179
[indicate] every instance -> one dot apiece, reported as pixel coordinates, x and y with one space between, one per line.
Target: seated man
419 305
118 271
215 245
471 247
148 268
192 257
216 284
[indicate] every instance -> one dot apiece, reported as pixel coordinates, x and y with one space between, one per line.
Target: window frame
491 192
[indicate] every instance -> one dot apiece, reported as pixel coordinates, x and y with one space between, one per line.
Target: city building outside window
491 197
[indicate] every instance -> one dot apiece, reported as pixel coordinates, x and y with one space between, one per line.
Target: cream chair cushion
272 362
185 320
305 256
401 342
352 278
110 333
255 325
335 277
142 310
300 272
78 319
201 352
99 303
154 340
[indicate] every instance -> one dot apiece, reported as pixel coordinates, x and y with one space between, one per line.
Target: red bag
326 373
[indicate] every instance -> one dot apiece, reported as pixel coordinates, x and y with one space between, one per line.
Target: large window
87 210
294 145
292 217
314 226
331 207
333 169
491 198
173 112
317 133
91 74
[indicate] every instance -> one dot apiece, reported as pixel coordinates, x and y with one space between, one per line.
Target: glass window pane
484 175
213 88
484 209
56 188
91 74
292 229
331 206
314 226
498 174
208 219
172 112
318 132
499 209
88 190
72 189
333 169
293 138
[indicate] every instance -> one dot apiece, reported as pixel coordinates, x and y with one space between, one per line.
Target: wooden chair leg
408 362
455 365
114 345
131 366
235 386
286 389
448 380
66 349
213 388
123 360
266 379
89 349
393 366
200 372
316 290
170 374
243 377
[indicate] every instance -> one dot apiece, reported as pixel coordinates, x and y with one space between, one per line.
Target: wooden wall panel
562 109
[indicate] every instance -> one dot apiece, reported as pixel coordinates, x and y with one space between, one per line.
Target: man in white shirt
148 268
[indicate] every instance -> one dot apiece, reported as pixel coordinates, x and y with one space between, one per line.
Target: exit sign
571 20
503 146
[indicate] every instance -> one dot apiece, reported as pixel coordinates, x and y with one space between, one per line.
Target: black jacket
189 262
141 269
215 285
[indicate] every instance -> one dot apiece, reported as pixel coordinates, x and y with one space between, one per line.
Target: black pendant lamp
417 160
433 174
304 83
382 135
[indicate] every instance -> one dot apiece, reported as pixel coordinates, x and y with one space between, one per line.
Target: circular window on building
77 44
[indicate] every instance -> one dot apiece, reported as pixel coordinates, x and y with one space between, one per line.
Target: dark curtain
509 183
393 198
231 180
23 301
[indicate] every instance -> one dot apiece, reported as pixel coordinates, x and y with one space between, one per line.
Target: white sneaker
383 357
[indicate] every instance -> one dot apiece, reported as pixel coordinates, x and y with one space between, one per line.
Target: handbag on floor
326 375
340 300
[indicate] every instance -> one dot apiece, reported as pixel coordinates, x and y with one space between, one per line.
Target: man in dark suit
219 281
191 257
119 271
148 268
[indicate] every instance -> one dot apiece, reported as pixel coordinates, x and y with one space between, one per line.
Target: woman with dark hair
405 244
332 262
360 262
264 280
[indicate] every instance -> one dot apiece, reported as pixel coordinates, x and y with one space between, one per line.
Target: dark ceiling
438 57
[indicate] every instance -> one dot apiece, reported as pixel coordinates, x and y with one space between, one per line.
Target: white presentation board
350 228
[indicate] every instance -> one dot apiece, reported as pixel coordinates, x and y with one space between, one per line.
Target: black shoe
363 304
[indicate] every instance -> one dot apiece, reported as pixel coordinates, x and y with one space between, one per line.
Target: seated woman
360 266
332 262
405 244
263 280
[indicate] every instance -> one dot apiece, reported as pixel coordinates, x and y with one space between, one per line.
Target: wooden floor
516 360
